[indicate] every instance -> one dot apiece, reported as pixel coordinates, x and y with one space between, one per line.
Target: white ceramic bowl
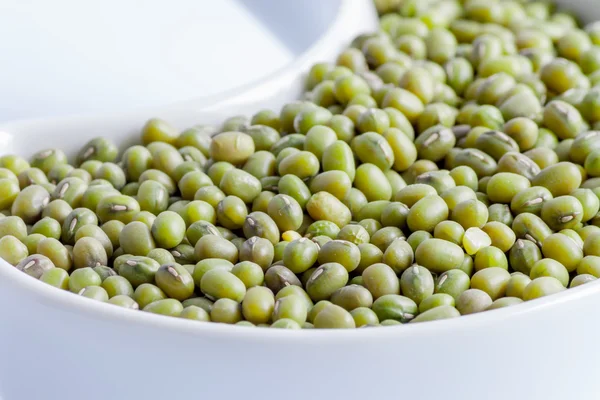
55 345
318 32
67 57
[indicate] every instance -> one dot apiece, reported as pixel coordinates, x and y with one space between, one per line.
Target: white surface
55 345
66 57
335 24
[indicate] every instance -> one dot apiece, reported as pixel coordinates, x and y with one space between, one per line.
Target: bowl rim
292 72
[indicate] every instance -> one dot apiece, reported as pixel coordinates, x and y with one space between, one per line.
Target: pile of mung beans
446 165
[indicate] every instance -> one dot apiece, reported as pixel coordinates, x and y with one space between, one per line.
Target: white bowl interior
336 24
68 57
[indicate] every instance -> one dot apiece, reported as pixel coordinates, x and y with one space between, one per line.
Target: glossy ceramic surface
66 57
